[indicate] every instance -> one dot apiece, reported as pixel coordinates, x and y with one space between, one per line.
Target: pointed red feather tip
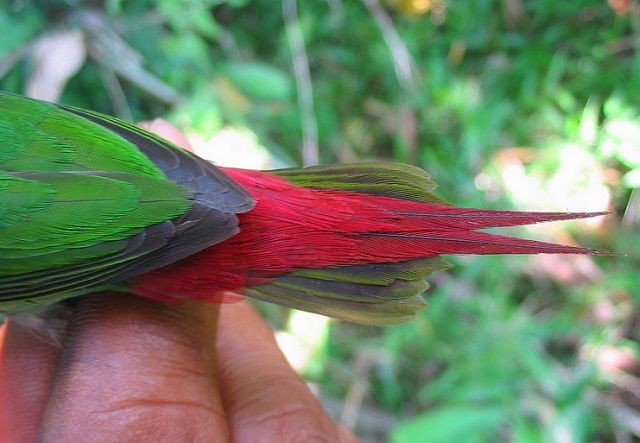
293 228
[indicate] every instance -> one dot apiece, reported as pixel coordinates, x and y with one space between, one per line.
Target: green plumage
38 136
56 195
81 205
74 211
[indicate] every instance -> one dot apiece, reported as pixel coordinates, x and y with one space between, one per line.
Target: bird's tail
395 241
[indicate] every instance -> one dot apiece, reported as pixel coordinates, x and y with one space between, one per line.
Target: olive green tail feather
394 180
377 294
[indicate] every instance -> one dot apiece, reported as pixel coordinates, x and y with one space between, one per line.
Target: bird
91 203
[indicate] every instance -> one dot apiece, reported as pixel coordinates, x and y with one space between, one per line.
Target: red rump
295 228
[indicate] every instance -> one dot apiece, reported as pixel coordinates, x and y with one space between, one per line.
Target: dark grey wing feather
209 184
169 242
216 198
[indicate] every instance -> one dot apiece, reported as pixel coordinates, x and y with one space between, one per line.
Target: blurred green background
508 103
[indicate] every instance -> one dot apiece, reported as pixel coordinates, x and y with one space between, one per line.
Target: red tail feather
293 228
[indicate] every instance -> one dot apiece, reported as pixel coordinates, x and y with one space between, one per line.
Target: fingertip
167 130
27 367
133 366
262 394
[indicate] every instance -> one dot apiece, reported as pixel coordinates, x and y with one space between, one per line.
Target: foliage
505 102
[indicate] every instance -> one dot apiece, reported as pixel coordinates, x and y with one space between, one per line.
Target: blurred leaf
24 26
452 423
191 15
573 424
200 112
258 80
525 432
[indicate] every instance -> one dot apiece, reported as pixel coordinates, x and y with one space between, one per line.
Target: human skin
132 369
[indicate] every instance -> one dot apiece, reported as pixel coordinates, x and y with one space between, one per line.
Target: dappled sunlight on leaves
232 147
576 182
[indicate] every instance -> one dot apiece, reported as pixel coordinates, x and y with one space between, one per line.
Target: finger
264 398
165 129
29 362
237 345
27 365
135 369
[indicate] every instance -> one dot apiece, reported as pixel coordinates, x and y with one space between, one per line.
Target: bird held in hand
90 203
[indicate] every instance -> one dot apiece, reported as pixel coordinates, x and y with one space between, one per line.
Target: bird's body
88 202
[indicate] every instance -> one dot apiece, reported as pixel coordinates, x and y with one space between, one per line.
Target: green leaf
258 80
525 432
23 27
449 424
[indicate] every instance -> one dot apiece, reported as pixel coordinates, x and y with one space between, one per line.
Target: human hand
133 369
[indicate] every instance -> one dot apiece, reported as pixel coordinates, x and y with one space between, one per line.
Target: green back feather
55 195
86 201
38 136
70 212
